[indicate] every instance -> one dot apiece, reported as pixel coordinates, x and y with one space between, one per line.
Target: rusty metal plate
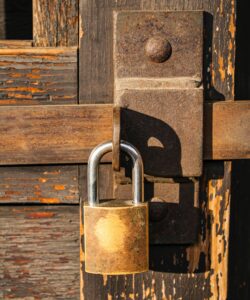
158 83
166 126
139 34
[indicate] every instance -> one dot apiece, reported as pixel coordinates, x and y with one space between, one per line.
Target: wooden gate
56 97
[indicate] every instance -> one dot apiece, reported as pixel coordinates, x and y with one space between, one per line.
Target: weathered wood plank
52 134
39 252
96 64
67 133
37 75
55 23
227 130
16 44
39 184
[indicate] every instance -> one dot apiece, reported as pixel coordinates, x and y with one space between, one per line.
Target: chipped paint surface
39 184
39 250
219 205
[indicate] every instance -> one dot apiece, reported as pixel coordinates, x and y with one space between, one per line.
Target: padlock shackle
93 164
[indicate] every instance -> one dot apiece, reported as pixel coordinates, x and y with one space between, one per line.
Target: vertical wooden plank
55 23
198 277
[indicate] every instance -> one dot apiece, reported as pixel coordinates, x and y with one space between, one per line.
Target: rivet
158 48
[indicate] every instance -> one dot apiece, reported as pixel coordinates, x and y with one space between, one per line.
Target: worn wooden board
16 19
39 184
55 23
67 133
52 134
39 252
38 76
227 130
16 44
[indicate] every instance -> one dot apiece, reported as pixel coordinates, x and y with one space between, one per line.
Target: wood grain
39 252
39 184
38 76
52 134
55 23
16 44
227 130
67 133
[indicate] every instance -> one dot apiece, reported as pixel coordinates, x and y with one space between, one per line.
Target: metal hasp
158 65
116 231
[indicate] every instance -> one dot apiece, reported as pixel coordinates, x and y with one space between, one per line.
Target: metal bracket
158 84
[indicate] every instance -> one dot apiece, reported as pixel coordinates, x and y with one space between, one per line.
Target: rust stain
49 200
33 76
52 172
59 187
219 206
21 261
23 89
40 215
43 180
232 28
12 193
221 68
4 198
16 75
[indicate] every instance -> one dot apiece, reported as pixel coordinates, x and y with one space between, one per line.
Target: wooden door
44 60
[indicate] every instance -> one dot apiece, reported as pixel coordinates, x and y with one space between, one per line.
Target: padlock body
116 238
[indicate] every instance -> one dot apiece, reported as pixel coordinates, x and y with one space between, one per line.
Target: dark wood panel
52 134
39 184
55 23
36 75
39 252
16 19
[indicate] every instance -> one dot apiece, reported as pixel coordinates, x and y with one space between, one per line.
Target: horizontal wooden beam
49 134
58 134
227 130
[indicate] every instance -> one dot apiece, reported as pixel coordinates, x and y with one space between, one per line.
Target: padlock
116 231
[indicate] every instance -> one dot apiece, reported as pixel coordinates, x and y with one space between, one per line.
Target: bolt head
158 49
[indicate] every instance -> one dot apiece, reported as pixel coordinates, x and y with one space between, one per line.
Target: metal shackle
93 164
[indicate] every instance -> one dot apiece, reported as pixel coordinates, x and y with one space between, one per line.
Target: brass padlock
116 231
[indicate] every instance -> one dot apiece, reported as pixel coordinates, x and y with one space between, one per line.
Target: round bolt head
158 48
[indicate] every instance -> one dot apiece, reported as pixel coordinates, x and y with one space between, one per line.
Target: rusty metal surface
183 30
166 126
158 84
116 238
